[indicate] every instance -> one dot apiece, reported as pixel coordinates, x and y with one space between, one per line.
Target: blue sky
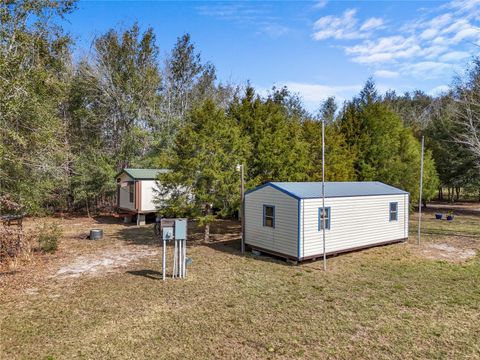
318 49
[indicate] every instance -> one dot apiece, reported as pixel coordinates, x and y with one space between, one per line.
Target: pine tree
203 181
34 73
384 149
338 159
278 151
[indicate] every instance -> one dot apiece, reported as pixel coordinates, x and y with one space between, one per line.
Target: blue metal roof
312 190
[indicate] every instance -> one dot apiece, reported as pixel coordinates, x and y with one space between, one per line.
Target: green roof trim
142 174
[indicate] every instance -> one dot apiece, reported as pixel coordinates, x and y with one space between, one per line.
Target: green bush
48 237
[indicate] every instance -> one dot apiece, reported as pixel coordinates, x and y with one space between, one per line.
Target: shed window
320 218
131 189
394 211
269 216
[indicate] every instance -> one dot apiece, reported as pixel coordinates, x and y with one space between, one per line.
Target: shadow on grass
222 231
233 247
228 246
149 274
433 209
137 235
111 219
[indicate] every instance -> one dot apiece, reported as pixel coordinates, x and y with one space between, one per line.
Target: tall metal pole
421 190
323 196
242 206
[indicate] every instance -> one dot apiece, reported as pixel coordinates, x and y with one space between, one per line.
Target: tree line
68 125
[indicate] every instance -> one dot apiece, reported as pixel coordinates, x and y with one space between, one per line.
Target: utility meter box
167 233
180 229
173 229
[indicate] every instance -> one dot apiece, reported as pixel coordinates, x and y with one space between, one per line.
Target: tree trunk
457 191
88 210
206 234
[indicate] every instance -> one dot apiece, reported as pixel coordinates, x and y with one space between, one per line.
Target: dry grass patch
383 303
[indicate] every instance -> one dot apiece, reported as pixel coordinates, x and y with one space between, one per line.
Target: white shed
136 191
284 218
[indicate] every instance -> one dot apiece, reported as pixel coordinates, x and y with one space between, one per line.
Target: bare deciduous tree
469 118
468 111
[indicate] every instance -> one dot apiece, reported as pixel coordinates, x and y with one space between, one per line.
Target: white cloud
386 74
342 27
316 93
274 30
384 49
464 5
439 90
428 34
371 24
467 33
431 45
258 16
433 52
320 4
454 56
345 27
429 69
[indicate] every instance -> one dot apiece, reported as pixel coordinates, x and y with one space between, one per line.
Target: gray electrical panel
173 229
180 229
176 230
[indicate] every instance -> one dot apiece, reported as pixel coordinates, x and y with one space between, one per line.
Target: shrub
11 242
48 237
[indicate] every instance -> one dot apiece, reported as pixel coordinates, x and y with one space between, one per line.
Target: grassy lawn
390 302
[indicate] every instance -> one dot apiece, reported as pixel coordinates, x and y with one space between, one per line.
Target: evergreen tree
34 73
384 149
338 159
278 151
203 181
91 180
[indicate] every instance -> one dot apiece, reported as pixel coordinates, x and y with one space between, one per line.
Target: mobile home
286 218
136 192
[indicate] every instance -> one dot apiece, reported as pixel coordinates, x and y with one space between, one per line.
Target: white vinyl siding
355 222
124 193
148 195
283 238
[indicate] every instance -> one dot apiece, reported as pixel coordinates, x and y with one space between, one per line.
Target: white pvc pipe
181 258
185 258
164 260
174 259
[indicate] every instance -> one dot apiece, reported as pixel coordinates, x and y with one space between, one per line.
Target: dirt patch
448 252
104 262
